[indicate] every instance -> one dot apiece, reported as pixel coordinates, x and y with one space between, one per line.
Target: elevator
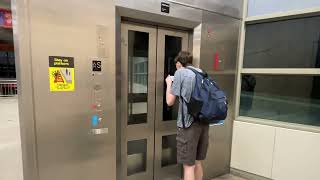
149 125
114 124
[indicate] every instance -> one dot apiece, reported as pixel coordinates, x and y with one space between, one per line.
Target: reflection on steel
8 88
231 8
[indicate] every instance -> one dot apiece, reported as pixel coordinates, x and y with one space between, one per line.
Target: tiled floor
10 150
229 177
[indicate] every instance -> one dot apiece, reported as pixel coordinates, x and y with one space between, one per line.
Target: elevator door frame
138 131
155 128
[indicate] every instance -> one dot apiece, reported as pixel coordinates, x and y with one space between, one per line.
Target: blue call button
95 120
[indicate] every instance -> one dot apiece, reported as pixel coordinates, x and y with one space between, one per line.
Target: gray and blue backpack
208 103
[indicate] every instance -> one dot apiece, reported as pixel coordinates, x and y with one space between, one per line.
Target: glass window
169 150
7 59
173 46
137 156
294 99
283 44
138 54
262 7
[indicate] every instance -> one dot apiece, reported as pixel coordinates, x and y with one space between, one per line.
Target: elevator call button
96 106
94 120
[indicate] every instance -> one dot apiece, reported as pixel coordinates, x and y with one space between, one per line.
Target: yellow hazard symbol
61 73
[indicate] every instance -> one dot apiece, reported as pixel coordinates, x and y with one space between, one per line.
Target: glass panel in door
138 53
172 48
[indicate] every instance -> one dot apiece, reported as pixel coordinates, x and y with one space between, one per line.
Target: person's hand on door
169 80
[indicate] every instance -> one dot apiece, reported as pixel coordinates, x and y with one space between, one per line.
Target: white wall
276 153
296 155
10 144
252 148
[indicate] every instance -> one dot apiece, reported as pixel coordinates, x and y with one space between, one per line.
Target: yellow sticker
61 73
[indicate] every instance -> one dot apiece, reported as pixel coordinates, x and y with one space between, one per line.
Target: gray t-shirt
183 84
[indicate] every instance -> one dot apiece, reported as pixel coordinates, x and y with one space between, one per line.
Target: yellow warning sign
61 73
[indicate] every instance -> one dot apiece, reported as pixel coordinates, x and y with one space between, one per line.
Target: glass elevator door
148 132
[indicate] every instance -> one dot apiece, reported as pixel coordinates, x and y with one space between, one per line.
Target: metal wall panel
219 35
179 15
219 41
65 150
230 8
25 94
196 46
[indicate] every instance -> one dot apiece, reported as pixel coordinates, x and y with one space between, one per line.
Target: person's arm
170 98
173 88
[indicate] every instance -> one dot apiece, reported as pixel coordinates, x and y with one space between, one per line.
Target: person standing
192 135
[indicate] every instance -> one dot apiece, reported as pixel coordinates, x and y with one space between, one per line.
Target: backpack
207 103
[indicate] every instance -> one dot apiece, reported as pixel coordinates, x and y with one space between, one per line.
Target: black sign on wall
96 66
165 7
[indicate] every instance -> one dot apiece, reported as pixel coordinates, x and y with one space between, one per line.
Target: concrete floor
10 147
229 177
10 150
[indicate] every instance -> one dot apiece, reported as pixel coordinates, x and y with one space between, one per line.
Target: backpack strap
182 112
182 108
203 74
182 99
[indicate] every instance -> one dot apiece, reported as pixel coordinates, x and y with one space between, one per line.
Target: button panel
97 122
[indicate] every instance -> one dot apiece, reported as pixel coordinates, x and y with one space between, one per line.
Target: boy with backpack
192 136
201 103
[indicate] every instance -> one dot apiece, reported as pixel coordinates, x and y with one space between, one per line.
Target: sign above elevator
165 7
61 73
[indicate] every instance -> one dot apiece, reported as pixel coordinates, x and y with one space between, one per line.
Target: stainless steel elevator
148 124
114 123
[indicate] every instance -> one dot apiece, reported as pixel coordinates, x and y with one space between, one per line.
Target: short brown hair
185 58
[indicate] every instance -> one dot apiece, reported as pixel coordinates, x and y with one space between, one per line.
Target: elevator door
148 133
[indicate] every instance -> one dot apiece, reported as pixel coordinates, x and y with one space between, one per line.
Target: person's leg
198 171
187 141
188 172
201 151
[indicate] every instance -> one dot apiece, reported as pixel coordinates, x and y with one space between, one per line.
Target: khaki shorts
192 143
